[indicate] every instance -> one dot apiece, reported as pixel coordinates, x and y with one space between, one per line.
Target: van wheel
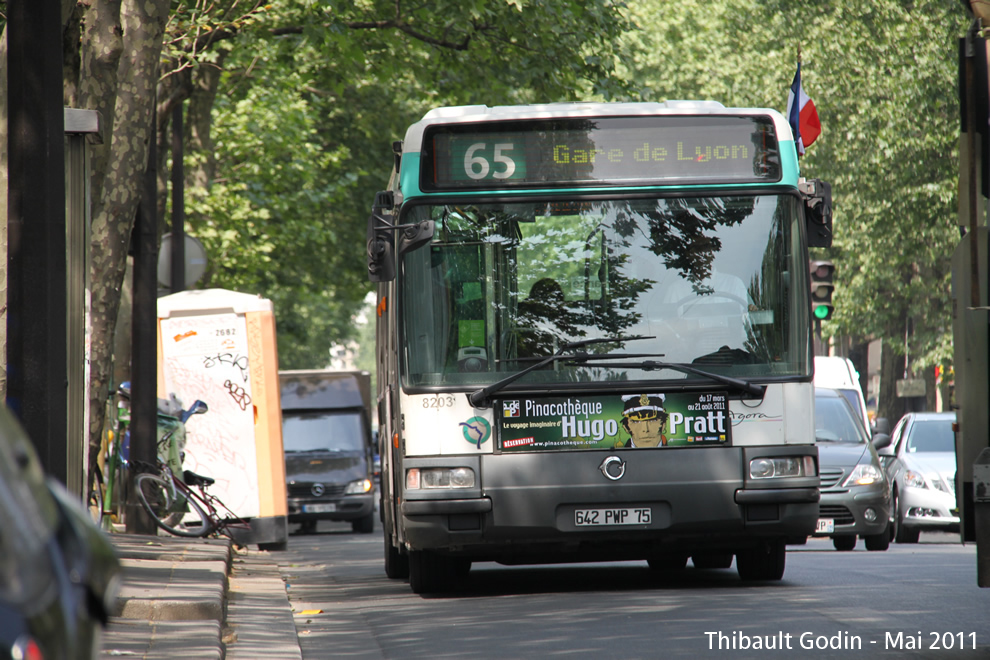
396 563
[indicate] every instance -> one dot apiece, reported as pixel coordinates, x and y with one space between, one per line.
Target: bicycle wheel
180 515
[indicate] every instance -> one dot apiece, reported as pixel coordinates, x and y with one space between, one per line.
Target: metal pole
144 358
178 239
36 350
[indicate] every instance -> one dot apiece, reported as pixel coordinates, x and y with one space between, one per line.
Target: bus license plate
825 526
319 508
623 516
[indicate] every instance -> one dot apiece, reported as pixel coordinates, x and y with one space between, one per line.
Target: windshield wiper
482 398
757 391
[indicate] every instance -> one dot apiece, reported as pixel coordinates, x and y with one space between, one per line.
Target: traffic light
821 289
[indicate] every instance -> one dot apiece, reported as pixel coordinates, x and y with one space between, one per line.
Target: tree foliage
306 110
883 78
292 106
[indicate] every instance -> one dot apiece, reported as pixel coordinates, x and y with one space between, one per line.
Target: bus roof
483 113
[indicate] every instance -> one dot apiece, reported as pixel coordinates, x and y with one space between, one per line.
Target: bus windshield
717 282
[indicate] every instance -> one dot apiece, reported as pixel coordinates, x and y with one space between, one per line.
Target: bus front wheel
396 563
764 562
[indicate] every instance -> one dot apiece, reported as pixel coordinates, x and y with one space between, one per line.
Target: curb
260 622
172 598
198 598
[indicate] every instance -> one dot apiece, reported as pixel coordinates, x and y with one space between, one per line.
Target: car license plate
319 508
620 516
825 526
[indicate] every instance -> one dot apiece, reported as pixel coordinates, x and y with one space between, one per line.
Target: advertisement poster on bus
645 420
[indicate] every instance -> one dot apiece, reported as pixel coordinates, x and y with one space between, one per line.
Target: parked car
58 571
919 459
855 498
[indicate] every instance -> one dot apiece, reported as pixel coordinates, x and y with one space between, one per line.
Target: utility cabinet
219 346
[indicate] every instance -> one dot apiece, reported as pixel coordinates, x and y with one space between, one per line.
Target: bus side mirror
381 254
818 211
381 240
381 259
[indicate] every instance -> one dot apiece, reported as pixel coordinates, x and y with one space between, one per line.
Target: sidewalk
198 598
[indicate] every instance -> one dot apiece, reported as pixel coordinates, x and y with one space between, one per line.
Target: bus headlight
359 487
424 478
782 466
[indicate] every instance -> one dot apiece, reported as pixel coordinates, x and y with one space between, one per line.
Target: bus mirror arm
415 236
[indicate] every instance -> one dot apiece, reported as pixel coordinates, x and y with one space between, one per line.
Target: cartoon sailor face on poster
644 418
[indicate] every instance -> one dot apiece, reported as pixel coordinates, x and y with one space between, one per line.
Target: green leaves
312 97
883 77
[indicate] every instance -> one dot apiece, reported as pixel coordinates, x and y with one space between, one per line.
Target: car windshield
850 396
835 422
322 431
719 282
931 436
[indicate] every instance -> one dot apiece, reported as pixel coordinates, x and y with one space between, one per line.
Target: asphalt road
897 604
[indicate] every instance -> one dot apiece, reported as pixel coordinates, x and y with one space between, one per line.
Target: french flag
802 115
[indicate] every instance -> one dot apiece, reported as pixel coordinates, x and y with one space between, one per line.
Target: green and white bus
594 339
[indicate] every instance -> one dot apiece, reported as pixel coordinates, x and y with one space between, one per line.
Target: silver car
920 463
855 499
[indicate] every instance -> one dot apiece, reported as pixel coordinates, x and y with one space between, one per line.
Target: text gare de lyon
564 154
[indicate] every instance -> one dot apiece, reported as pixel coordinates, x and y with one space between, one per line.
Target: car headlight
359 487
782 466
863 474
915 479
941 485
430 478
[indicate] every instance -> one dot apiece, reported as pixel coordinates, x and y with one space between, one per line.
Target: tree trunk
889 406
199 121
116 191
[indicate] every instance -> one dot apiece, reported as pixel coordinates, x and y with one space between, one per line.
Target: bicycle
106 496
172 502
178 509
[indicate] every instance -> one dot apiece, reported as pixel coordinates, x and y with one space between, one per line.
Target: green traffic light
822 312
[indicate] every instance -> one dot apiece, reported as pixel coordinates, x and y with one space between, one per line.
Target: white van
838 373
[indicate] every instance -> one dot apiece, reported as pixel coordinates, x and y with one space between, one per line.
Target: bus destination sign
656 150
647 420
